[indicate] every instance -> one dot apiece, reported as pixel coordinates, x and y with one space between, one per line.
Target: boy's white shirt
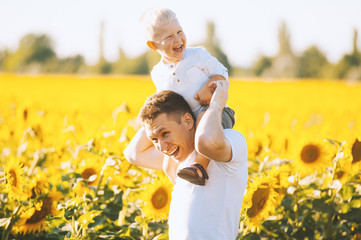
211 212
189 75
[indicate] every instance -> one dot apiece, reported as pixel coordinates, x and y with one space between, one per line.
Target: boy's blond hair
154 17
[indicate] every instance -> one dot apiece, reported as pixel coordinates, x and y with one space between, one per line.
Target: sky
245 29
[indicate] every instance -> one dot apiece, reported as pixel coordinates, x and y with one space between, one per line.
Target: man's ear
188 119
152 45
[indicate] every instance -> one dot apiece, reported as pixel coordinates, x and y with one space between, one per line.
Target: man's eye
164 134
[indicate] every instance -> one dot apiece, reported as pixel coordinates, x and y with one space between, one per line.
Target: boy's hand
204 95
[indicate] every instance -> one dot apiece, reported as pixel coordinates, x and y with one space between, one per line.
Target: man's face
170 41
170 137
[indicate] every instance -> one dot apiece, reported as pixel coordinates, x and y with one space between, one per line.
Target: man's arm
142 152
210 140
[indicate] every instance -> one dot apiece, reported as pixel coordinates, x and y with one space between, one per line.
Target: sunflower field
63 174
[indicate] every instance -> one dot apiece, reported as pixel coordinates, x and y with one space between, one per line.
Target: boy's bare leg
199 166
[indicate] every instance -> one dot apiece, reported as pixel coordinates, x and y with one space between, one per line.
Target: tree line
36 54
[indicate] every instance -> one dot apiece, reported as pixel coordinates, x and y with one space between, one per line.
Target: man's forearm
142 152
210 139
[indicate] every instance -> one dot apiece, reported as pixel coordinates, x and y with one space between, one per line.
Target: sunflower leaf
4 222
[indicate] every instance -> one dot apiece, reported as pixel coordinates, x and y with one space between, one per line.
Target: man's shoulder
237 142
234 134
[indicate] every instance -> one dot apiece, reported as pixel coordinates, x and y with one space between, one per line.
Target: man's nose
162 145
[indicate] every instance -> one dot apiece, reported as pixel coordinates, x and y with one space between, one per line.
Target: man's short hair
155 17
166 101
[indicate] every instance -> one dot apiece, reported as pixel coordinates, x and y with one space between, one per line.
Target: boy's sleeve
211 65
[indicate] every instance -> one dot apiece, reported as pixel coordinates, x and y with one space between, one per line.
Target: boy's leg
228 118
197 172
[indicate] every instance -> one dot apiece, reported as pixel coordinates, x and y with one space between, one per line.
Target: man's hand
220 95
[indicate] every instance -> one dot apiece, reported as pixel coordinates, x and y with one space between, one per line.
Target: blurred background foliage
36 54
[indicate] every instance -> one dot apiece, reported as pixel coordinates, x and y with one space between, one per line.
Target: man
197 212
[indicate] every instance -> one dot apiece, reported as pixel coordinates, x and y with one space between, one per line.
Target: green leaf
65 177
355 203
87 218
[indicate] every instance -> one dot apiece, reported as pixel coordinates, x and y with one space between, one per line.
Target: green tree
350 62
3 55
70 64
261 65
284 65
34 52
212 45
311 63
137 65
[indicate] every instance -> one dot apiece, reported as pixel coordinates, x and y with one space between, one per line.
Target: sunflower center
310 153
42 213
14 178
160 198
339 174
87 173
356 151
259 199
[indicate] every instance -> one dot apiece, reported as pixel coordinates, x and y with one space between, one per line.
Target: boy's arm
204 95
142 152
210 139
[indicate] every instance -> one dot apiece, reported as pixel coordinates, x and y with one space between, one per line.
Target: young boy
187 71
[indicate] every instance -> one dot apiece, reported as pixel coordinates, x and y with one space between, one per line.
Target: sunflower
157 198
14 179
343 168
90 168
33 219
281 175
352 150
118 175
38 185
314 155
260 200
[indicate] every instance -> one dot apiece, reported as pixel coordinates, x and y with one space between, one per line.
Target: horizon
76 29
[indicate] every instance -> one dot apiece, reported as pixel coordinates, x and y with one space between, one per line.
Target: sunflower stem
145 230
98 186
6 233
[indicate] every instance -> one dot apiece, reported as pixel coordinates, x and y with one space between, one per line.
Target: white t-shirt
195 69
211 212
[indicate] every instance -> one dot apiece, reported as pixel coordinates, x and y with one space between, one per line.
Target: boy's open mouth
178 49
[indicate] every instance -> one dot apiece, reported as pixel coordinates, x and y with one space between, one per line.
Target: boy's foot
191 174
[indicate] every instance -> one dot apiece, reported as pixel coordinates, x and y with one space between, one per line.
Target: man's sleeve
239 152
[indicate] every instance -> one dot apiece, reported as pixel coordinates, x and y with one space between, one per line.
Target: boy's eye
154 140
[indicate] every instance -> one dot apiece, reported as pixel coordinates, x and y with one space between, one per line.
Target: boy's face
169 41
